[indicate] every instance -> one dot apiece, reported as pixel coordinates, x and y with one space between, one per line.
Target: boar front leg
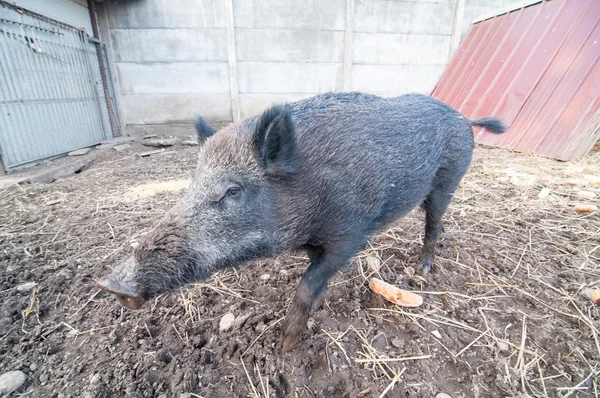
324 264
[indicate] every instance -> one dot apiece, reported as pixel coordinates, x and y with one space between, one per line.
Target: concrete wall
227 59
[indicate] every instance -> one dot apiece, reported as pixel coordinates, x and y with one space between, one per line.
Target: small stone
11 381
25 287
462 213
114 141
410 271
240 320
80 152
95 379
150 153
443 395
121 148
43 377
397 342
502 345
586 194
544 193
160 142
260 327
190 142
373 263
437 334
523 180
265 277
226 322
33 367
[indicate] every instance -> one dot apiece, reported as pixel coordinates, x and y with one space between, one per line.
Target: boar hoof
293 327
426 265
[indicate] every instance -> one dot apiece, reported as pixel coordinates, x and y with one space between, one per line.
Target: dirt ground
506 311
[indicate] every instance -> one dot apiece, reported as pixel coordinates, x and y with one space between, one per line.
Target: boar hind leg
324 264
435 206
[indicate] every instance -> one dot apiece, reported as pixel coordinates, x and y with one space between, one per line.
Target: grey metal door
51 98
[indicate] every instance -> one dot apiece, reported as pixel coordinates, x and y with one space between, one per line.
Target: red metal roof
538 68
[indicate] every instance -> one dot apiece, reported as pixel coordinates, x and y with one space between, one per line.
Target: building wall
230 58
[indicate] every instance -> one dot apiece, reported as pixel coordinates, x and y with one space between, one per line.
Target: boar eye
233 192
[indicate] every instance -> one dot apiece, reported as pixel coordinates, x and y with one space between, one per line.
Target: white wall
172 60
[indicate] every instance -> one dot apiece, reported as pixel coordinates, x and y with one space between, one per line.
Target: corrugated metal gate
537 67
51 96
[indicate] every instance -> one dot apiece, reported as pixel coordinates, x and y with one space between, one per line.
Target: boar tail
490 123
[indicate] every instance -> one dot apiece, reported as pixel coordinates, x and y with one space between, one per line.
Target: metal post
111 114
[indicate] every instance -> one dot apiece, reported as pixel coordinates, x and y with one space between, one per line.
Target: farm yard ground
506 310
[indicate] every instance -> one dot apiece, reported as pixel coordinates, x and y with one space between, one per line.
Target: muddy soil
506 310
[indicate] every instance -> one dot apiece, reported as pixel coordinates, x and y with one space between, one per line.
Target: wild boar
322 174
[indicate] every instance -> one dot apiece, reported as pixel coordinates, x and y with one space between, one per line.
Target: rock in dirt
502 345
544 193
121 148
397 342
11 381
113 142
226 322
160 142
240 320
150 153
373 263
586 194
523 180
48 175
80 152
436 333
443 395
25 287
95 378
265 277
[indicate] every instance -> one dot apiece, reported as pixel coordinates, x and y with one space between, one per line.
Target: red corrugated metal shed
536 67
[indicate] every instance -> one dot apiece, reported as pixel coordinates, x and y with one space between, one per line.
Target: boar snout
122 284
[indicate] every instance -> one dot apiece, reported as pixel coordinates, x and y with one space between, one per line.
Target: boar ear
202 129
275 141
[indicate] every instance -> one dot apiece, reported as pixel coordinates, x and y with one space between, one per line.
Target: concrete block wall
287 50
227 59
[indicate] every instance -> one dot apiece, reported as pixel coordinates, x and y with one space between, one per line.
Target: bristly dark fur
490 123
203 129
